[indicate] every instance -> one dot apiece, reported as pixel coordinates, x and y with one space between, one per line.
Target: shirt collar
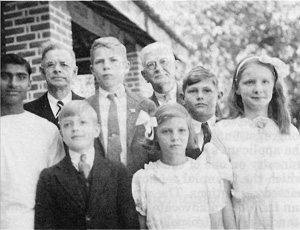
197 124
75 157
53 100
120 92
172 94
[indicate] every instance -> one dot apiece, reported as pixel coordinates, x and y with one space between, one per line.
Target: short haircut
165 112
196 75
15 60
153 47
109 43
48 46
77 107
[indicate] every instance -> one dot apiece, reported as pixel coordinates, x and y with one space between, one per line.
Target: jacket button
88 218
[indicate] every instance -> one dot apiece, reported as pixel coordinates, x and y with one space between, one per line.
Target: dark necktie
84 167
59 104
206 134
114 147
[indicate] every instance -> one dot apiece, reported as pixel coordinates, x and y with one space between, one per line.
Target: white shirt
197 126
29 144
53 102
122 117
169 97
75 157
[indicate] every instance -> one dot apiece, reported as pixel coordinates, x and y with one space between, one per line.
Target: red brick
27 4
39 10
133 68
9 7
13 15
45 17
44 2
26 54
35 44
60 15
43 26
16 47
132 79
8 24
9 40
38 78
67 26
33 69
22 21
135 90
46 34
26 37
13 31
34 87
57 20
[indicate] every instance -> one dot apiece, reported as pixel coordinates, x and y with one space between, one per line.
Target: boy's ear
98 130
181 95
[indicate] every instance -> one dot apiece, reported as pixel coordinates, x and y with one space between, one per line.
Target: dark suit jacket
41 107
178 98
137 156
61 205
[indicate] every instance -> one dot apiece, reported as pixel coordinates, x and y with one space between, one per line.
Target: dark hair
199 74
278 108
15 60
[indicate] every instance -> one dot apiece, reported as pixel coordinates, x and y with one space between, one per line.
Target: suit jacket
60 204
137 156
178 98
41 107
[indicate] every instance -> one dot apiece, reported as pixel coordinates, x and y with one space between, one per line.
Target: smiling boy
84 190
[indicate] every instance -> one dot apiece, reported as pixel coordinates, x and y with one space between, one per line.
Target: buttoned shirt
75 157
53 102
197 126
169 97
121 102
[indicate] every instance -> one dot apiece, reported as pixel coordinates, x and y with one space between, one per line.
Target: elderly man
59 69
29 144
119 109
159 69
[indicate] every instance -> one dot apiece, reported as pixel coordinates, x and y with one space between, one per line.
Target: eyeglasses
52 65
153 64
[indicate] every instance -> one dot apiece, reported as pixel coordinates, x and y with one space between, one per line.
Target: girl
263 147
177 191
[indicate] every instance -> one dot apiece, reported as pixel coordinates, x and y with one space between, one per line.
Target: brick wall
27 26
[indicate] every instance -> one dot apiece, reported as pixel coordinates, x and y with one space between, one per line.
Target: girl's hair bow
148 122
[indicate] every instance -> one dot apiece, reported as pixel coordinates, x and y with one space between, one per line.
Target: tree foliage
224 32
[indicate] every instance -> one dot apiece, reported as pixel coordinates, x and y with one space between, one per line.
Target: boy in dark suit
84 190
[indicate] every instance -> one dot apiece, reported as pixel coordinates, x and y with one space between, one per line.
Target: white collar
197 124
75 157
53 100
120 92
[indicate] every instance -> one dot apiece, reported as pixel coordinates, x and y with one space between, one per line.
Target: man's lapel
132 115
154 99
69 181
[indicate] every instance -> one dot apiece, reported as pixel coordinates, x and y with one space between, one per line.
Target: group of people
118 160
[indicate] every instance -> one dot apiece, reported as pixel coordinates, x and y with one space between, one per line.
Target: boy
29 144
84 190
201 94
119 108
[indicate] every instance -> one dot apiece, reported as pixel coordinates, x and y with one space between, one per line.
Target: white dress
29 144
178 197
266 173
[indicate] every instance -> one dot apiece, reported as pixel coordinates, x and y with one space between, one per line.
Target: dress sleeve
139 182
219 160
216 193
56 150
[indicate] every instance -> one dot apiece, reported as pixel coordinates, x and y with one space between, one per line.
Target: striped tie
59 104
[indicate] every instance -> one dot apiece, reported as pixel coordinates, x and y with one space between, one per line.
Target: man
159 69
29 144
59 69
119 110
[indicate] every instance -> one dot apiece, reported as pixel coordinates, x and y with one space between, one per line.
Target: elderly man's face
59 69
159 67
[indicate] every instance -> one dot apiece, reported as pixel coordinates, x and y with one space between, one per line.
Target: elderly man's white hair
156 46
